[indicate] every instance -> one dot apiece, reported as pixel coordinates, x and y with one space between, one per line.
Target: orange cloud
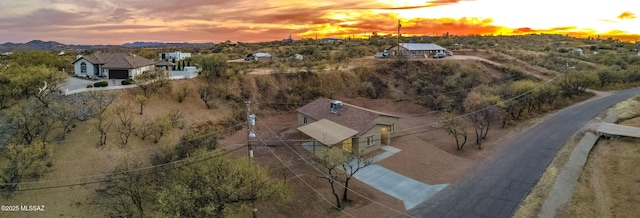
526 30
110 22
627 15
432 3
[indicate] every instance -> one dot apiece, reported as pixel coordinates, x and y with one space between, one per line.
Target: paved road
496 188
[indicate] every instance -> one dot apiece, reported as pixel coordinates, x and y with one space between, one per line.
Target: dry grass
609 185
78 157
532 204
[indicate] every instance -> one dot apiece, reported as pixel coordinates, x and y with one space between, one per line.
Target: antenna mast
398 38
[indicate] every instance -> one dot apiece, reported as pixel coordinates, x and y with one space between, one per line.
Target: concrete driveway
411 192
74 83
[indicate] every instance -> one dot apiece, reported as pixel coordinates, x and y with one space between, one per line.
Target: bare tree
125 125
67 114
454 126
151 82
489 116
161 126
99 101
206 94
125 191
142 100
176 118
351 164
481 115
145 129
103 124
331 162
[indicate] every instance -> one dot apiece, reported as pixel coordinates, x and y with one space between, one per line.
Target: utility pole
398 38
251 122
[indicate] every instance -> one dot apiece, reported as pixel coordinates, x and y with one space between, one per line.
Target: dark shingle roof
117 60
351 116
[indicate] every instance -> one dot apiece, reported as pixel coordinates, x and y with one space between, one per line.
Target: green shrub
101 84
89 86
127 81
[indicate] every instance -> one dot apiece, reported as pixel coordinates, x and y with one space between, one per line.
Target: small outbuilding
263 57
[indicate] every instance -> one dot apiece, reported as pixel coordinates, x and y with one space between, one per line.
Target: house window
392 128
83 68
305 120
370 141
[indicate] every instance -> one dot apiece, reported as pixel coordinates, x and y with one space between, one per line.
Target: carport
118 74
329 133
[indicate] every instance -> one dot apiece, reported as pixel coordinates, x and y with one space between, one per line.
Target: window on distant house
370 141
392 128
83 68
304 120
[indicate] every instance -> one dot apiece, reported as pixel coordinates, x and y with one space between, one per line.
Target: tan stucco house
112 65
352 128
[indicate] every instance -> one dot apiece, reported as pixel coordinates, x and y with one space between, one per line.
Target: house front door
347 145
384 136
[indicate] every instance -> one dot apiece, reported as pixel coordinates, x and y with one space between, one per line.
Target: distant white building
296 57
579 51
175 55
416 50
264 57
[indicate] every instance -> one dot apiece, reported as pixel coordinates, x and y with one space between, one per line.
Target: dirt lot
78 160
428 155
610 183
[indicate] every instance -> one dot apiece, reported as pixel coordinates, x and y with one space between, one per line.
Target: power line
137 169
122 172
433 124
320 171
165 145
301 179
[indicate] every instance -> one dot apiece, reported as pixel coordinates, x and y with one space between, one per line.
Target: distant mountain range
40 45
160 44
56 46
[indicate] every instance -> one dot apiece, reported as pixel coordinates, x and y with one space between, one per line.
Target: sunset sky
122 21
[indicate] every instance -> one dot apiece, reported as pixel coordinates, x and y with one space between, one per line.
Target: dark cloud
43 18
120 27
300 16
627 15
525 30
428 4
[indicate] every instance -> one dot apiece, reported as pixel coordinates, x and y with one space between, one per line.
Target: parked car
439 55
250 57
449 53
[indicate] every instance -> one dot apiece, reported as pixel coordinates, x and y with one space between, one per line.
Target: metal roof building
416 50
